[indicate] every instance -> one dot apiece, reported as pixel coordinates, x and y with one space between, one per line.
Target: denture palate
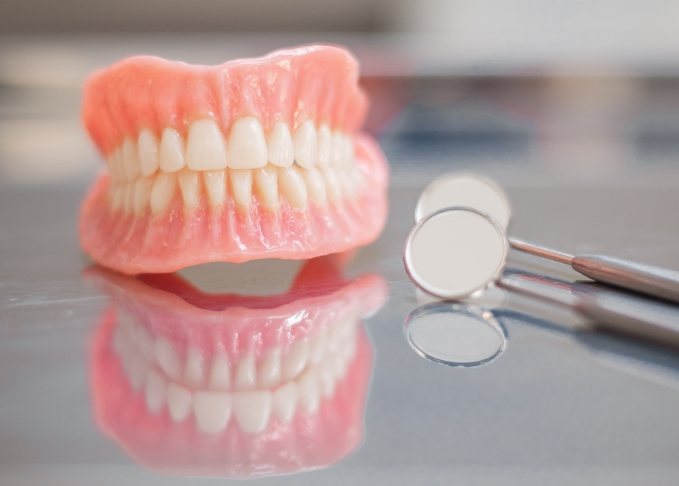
312 164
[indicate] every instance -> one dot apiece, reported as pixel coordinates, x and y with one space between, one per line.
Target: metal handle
647 279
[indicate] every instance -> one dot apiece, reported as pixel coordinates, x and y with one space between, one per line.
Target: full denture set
258 158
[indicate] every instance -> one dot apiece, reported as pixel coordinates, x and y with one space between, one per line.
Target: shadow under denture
192 383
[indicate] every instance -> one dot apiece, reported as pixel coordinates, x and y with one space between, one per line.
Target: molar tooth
319 346
188 185
305 144
326 379
292 185
346 182
252 409
220 375
308 391
130 160
205 149
247 147
241 185
117 194
142 194
333 184
296 359
324 145
147 146
337 149
212 410
178 401
195 367
167 358
246 374
284 401
115 165
162 192
215 185
266 185
128 201
171 151
280 146
347 150
270 370
155 392
315 184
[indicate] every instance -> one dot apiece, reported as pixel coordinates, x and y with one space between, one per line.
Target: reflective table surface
302 370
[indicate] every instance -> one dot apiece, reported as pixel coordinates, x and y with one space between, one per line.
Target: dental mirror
455 334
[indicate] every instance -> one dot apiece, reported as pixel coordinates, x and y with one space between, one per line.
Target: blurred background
579 89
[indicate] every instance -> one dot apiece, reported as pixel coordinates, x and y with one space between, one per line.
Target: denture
255 158
188 382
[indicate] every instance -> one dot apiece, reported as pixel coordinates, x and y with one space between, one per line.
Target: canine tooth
147 146
195 367
332 184
296 359
215 186
220 375
212 410
188 186
162 192
205 148
308 391
315 185
247 146
130 160
246 374
171 151
142 194
266 185
284 401
270 370
319 346
324 145
252 410
292 185
280 146
178 401
166 357
155 392
241 185
305 144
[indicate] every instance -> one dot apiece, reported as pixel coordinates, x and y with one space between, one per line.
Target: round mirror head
468 190
455 335
455 253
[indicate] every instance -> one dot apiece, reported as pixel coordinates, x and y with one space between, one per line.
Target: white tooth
147 146
337 365
347 150
296 359
292 185
246 374
220 375
280 147
284 401
195 367
130 159
308 391
117 196
315 184
115 168
119 340
145 342
252 409
270 370
166 357
241 185
162 192
332 184
171 151
178 401
215 185
305 144
205 149
346 182
188 185
247 147
326 379
266 186
324 145
155 392
128 201
337 149
319 346
138 371
212 410
142 194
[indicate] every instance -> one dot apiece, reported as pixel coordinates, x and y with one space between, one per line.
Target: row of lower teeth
246 147
266 185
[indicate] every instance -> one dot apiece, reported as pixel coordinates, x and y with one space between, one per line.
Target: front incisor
266 185
205 148
247 146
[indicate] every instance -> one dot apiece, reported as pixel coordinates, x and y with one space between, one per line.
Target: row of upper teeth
266 184
251 405
246 147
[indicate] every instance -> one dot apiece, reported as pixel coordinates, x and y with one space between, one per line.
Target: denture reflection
191 383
